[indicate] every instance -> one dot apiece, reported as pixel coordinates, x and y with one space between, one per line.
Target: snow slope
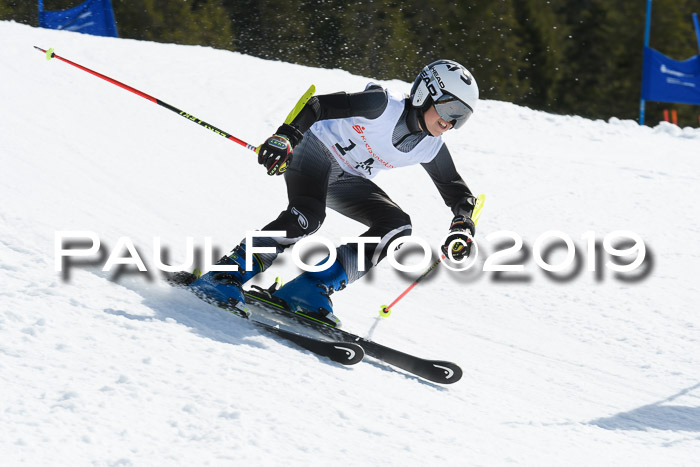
105 369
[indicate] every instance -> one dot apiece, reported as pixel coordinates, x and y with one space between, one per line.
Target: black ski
437 371
341 346
346 353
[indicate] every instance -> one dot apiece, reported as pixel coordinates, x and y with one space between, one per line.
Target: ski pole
385 310
51 54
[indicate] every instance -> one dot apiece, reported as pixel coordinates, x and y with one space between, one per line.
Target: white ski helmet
449 87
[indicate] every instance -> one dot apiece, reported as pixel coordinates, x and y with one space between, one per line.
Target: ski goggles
452 110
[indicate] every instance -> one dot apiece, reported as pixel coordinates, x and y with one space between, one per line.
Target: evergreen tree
582 57
194 22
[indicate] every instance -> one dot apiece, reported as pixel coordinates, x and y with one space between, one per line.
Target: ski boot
226 287
308 295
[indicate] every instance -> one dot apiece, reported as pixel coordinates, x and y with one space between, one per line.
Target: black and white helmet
449 87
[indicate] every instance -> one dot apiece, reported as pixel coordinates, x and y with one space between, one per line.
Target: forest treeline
580 57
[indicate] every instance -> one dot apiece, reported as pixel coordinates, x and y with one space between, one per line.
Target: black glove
462 231
276 152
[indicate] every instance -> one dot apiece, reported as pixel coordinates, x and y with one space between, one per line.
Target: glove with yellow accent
458 244
276 152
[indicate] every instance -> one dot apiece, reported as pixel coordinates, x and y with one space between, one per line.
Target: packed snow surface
576 367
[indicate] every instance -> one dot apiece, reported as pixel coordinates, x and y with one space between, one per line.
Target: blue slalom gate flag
94 17
668 80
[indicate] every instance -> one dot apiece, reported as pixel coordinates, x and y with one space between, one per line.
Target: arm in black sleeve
369 104
452 188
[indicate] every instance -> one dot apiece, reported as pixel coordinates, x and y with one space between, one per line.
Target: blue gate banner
94 17
668 80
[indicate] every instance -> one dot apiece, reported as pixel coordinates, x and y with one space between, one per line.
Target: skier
329 155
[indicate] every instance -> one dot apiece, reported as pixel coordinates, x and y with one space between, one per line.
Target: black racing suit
315 181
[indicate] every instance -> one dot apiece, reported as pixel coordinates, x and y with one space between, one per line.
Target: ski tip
347 353
445 372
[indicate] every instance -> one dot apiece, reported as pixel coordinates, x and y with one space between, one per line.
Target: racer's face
436 126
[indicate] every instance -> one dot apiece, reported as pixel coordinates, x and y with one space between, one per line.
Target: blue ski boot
226 287
309 294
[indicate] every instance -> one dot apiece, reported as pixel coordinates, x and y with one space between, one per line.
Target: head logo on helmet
450 87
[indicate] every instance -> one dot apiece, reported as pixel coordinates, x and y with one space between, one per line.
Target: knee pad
382 247
375 252
298 222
